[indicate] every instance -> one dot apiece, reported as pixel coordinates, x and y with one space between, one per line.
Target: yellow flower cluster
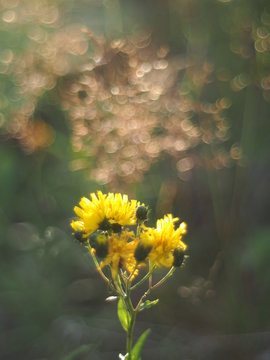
103 211
103 222
121 252
164 240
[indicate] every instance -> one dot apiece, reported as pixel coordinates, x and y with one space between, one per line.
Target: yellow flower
121 252
104 210
120 210
164 239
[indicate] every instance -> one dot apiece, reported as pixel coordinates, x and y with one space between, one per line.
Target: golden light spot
265 83
186 125
185 164
236 152
262 32
51 16
180 145
163 51
239 82
126 168
9 16
160 64
7 56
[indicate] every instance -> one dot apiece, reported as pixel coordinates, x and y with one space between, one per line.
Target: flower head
121 252
104 211
164 240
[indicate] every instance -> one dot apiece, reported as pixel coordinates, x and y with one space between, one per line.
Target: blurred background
167 101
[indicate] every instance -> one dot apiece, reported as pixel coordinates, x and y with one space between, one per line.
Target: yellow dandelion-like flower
120 210
121 253
164 240
104 210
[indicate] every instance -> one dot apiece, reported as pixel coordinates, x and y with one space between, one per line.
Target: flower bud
79 236
98 241
105 225
179 256
116 228
142 213
142 251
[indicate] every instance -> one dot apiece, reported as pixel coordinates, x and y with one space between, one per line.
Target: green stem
104 277
130 334
118 285
143 279
132 317
151 287
138 232
160 282
129 306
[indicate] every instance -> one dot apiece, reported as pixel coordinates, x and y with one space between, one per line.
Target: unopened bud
105 225
179 257
116 228
142 251
98 241
142 213
79 236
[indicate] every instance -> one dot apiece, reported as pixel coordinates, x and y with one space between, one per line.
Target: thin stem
132 317
141 300
150 277
160 282
152 287
132 273
129 307
143 279
130 334
139 229
104 277
119 288
125 277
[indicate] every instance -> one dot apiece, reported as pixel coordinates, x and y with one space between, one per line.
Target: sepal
148 304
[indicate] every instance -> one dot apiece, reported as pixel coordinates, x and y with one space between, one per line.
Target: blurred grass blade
79 351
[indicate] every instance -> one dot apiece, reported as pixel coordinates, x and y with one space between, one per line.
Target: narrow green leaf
148 304
137 349
77 352
123 315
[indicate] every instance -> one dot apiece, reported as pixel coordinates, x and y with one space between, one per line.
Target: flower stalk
103 225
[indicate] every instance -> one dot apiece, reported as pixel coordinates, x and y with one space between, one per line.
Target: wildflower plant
126 253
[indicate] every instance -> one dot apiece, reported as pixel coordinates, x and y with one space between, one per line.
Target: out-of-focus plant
121 253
